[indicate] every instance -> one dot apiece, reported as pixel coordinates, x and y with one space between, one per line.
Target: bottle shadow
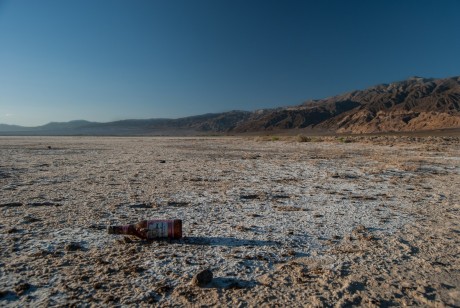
224 241
230 283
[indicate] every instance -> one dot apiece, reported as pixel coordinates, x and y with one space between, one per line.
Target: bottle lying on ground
151 229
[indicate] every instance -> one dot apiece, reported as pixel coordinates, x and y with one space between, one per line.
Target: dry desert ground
365 221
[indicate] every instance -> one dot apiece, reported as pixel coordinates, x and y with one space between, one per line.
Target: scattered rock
202 278
98 285
22 288
242 228
73 246
162 161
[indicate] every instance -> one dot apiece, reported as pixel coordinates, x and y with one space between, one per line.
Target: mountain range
415 104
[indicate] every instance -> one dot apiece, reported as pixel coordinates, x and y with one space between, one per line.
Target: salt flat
361 221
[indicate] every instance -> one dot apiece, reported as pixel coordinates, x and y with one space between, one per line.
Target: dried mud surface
372 221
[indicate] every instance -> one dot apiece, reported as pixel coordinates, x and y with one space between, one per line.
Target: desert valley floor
372 221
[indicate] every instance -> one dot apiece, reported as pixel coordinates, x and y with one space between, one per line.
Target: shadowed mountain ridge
411 105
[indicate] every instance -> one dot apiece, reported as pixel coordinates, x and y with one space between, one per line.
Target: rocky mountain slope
411 105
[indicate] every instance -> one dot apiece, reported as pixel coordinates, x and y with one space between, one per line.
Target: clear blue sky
108 60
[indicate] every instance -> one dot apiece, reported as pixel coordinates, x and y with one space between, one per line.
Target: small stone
202 278
22 288
98 285
73 246
242 228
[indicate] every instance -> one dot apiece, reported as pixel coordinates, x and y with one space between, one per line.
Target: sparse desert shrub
317 139
303 138
263 138
345 140
275 138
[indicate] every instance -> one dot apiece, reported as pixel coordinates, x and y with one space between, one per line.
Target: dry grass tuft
303 138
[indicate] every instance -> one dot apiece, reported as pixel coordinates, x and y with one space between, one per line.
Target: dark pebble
98 285
202 278
73 246
22 288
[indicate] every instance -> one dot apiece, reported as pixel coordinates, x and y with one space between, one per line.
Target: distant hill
411 105
13 128
200 124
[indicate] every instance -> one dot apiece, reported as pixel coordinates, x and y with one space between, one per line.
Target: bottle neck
127 229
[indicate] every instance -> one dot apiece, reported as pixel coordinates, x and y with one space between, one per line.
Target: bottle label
157 229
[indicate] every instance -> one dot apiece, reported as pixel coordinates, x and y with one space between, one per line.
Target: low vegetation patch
303 138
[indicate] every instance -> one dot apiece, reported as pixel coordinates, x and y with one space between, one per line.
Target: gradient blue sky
108 60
